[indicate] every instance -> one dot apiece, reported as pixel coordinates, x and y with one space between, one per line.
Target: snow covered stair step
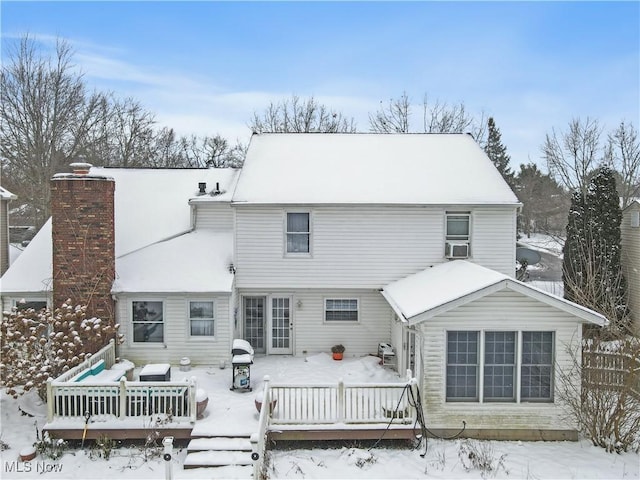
219 443
226 473
217 459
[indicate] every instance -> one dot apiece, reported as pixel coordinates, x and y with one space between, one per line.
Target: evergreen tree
592 271
497 152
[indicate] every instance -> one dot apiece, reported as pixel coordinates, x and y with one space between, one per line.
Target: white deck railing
106 399
106 353
341 403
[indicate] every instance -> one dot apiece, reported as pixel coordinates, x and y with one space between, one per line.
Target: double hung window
458 234
341 310
201 318
298 232
148 321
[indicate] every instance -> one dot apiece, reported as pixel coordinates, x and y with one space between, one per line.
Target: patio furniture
156 372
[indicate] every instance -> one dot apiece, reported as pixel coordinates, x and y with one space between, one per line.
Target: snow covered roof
151 205
333 168
32 271
634 202
6 194
449 285
193 262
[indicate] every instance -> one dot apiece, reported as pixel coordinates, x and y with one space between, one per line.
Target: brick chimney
82 211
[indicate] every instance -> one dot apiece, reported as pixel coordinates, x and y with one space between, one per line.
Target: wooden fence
611 370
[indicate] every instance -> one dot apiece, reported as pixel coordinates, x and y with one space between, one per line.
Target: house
630 233
358 239
5 197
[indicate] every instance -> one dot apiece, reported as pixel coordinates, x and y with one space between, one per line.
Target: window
499 366
37 305
201 318
298 233
537 366
148 321
457 234
462 366
498 363
341 310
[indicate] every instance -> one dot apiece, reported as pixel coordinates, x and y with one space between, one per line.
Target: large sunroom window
497 355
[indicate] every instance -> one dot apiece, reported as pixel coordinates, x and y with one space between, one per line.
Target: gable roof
449 285
151 205
369 168
6 194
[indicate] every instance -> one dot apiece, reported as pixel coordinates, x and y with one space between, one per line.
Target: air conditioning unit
457 250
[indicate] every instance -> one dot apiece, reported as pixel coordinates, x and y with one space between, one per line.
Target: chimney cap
81 168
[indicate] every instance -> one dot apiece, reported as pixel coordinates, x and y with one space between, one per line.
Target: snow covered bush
38 345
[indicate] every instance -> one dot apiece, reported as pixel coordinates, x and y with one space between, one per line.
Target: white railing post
123 398
409 375
168 453
193 413
49 400
110 359
341 401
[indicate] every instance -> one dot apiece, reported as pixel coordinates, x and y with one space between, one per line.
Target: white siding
493 239
214 215
177 342
311 334
362 247
631 261
505 310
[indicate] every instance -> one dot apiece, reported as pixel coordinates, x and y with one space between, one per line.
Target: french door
268 329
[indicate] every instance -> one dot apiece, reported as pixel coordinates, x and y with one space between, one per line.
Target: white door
281 326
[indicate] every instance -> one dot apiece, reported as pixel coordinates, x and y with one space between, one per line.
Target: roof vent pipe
202 187
218 187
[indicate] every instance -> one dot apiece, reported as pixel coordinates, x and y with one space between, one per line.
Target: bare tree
572 155
301 116
623 153
438 117
47 117
599 390
393 118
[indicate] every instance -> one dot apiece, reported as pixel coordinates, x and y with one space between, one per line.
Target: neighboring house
5 197
359 239
630 231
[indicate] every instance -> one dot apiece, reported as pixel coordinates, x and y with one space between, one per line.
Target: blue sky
205 67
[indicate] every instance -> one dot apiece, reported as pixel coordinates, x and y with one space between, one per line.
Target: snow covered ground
530 460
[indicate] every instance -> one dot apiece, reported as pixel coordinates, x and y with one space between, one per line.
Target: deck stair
219 454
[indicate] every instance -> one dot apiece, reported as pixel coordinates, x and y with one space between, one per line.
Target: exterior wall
504 310
214 215
177 342
311 334
362 246
4 236
631 261
82 210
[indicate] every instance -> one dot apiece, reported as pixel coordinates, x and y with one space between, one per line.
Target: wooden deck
94 432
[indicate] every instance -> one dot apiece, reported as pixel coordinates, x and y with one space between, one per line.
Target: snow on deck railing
341 403
172 401
106 353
